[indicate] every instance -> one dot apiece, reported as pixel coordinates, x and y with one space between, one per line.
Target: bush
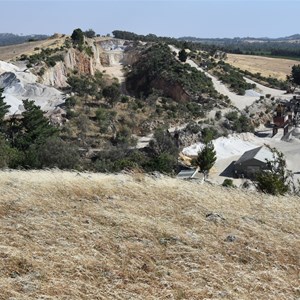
276 179
209 134
238 123
228 183
59 154
164 163
218 115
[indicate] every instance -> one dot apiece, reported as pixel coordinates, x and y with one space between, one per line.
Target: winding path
237 100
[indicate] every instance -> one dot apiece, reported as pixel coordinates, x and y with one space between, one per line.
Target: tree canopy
276 179
90 33
33 128
77 36
206 158
182 55
296 74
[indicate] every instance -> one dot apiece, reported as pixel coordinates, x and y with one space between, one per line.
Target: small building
287 113
252 161
190 174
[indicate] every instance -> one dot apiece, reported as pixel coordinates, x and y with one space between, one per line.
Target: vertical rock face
56 76
107 53
113 52
76 60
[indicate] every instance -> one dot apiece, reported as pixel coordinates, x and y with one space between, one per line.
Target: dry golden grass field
15 51
274 67
88 236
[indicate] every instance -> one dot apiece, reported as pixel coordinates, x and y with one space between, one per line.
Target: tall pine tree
206 158
34 128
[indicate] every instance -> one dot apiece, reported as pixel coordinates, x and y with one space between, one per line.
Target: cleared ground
93 236
274 67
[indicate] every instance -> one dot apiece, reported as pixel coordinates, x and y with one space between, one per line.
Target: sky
198 18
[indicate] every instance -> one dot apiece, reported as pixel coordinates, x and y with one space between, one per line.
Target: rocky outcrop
56 76
20 84
107 53
171 89
76 60
112 52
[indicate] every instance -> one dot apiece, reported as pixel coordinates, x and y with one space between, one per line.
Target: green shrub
276 179
218 115
57 153
228 183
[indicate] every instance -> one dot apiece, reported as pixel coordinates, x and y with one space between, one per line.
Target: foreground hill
95 236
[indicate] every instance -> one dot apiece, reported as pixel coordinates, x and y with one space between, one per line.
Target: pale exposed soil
275 67
93 236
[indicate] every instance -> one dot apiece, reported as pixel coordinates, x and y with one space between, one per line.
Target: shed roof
190 173
259 153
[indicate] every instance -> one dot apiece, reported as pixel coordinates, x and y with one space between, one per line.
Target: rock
230 238
14 274
157 175
21 84
215 217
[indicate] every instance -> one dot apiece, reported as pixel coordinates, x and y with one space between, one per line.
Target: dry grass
274 67
15 51
93 236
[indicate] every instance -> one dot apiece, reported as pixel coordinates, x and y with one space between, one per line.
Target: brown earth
274 67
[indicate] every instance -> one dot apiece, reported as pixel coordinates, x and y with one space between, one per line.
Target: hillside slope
13 51
95 236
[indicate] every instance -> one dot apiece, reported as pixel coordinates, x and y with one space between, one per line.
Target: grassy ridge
92 236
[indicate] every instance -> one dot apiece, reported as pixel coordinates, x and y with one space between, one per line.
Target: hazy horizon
202 19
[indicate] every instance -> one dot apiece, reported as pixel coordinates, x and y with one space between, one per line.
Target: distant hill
295 37
12 39
288 47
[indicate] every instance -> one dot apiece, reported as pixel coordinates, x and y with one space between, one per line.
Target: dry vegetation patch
94 236
267 66
12 52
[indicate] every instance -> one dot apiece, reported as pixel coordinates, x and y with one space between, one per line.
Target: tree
182 55
77 37
162 142
295 75
33 128
206 158
90 33
163 153
57 153
112 93
276 179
